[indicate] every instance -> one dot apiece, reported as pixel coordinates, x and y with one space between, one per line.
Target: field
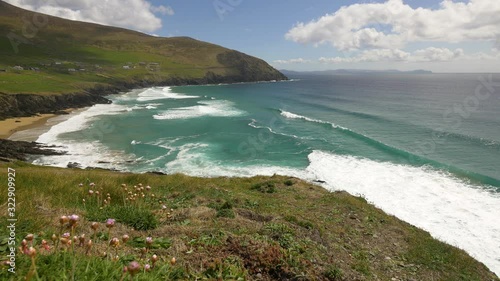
63 56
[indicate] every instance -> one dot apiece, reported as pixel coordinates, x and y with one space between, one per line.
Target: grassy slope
229 228
102 51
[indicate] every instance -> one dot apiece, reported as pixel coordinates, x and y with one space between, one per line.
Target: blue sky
442 36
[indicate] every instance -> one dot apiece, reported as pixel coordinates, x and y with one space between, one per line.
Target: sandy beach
12 125
30 128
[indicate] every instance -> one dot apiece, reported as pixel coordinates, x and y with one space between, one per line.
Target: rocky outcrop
19 150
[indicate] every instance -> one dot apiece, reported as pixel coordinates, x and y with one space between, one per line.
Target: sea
422 147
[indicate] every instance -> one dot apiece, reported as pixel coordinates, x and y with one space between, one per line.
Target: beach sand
30 128
12 125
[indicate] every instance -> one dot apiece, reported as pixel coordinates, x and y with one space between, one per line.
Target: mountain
352 71
46 55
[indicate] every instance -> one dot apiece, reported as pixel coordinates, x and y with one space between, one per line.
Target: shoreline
28 129
11 126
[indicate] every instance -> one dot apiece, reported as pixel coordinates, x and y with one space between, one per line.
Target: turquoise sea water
425 148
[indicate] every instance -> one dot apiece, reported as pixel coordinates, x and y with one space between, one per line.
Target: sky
303 35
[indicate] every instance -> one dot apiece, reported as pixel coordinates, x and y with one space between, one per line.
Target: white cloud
393 24
298 60
164 10
430 54
134 14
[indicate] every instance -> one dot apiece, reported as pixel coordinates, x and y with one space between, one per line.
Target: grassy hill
69 56
260 228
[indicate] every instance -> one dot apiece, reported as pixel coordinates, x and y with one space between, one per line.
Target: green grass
221 228
102 51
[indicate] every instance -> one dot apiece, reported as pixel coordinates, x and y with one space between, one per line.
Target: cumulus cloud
133 14
393 24
430 54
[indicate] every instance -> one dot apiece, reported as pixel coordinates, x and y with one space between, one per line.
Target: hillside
45 55
260 228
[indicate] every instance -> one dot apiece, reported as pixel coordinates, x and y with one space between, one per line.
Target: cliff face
44 73
29 104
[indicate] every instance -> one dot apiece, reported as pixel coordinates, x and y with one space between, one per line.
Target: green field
55 46
270 228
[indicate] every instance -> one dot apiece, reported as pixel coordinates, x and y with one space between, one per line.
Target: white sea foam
83 152
192 160
80 121
291 115
160 94
213 108
450 209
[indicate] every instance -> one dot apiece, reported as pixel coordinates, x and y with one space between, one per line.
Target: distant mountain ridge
46 55
354 71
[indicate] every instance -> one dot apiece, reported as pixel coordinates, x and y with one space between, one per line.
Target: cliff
62 63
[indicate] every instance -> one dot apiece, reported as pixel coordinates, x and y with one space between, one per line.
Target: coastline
54 119
28 129
11 126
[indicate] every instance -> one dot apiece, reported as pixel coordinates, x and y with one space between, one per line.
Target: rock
74 165
20 149
319 181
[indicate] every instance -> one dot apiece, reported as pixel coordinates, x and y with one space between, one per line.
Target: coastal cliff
68 64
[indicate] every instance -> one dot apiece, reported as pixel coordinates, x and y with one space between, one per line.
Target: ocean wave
80 121
452 210
212 108
290 115
160 94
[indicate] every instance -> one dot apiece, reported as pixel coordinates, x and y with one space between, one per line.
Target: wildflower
65 235
81 239
64 241
163 207
154 259
149 241
173 261
91 192
125 238
92 184
88 246
24 246
29 237
63 220
32 252
80 185
73 220
94 226
45 245
124 185
147 267
133 267
54 237
148 187
110 223
114 242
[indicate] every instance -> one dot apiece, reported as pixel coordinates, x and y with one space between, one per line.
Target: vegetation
155 227
62 56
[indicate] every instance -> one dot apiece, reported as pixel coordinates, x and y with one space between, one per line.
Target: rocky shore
20 150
